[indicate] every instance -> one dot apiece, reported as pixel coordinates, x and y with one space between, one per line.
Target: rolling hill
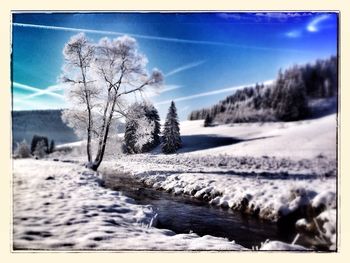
47 123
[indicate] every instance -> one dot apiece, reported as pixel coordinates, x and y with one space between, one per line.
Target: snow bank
249 185
268 195
61 206
277 245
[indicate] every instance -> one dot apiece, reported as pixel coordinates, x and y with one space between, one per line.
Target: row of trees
285 100
39 147
142 130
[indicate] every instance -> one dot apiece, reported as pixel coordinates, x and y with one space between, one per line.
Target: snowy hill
300 139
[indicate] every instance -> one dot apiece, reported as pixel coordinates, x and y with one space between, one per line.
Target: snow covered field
296 140
271 170
62 206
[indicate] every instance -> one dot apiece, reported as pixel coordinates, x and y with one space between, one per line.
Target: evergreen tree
130 135
52 146
208 120
36 139
290 100
171 133
152 115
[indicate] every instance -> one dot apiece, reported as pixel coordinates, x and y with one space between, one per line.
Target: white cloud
185 67
209 93
294 33
235 16
314 25
282 16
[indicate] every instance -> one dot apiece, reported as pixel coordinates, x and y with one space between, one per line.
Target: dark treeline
287 99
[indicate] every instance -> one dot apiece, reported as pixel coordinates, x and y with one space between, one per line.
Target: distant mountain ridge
47 123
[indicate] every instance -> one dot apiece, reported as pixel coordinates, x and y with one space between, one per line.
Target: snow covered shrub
142 128
22 150
171 133
40 149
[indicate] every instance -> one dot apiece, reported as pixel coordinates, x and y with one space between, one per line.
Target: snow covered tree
289 96
22 150
40 149
79 54
106 78
171 140
134 127
152 115
208 120
130 135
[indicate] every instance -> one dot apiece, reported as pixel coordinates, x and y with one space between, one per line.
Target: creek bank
283 229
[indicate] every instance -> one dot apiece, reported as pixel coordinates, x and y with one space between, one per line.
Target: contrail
103 32
168 39
45 91
36 90
184 67
209 93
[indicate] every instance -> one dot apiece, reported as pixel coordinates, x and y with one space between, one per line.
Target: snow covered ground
272 170
62 206
296 140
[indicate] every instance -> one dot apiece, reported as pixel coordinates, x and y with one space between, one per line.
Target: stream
185 214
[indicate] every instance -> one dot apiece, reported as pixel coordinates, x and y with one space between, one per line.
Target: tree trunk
88 107
103 141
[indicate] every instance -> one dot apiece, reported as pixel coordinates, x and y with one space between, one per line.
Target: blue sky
204 56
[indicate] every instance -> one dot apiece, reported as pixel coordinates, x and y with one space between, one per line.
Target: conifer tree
130 135
208 120
153 116
52 146
171 140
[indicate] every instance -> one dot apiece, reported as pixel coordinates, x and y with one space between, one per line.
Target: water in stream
183 214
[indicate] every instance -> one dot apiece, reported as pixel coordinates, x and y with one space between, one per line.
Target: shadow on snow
191 143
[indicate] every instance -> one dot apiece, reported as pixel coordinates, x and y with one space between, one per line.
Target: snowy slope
271 170
300 139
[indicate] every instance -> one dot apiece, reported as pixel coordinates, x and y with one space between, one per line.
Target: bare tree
116 71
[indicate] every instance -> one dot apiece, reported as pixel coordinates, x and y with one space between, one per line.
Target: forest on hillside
26 124
297 93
